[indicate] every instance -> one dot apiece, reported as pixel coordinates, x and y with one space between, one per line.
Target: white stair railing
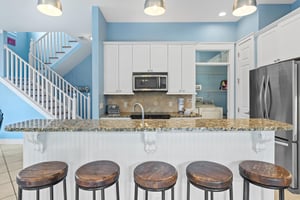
51 46
82 101
43 91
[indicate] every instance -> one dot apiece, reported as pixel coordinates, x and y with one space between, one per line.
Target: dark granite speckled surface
173 124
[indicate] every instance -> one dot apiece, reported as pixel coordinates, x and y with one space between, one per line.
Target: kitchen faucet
142 110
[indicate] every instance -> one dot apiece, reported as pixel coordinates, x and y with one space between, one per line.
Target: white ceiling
22 15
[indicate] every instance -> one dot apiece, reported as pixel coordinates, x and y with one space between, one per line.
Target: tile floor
11 159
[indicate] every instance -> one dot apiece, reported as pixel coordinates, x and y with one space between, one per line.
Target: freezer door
286 155
257 88
280 95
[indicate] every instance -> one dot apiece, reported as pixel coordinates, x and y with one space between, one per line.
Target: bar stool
265 175
155 176
42 175
210 177
97 175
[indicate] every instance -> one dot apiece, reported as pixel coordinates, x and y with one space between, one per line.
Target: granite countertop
173 124
172 115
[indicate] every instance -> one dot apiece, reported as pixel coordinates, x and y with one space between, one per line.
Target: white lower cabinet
117 69
181 69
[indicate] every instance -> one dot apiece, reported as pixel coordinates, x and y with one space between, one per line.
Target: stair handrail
49 45
19 72
64 85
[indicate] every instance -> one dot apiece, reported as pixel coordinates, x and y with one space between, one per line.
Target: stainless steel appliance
112 109
150 81
274 94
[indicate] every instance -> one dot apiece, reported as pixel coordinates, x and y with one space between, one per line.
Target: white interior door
245 62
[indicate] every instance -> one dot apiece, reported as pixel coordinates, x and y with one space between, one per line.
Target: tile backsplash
151 101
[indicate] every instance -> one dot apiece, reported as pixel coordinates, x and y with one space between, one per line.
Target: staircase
42 85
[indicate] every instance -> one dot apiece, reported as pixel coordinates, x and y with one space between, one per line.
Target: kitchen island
177 141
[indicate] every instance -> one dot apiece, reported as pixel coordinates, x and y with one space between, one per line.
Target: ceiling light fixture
50 7
154 7
243 7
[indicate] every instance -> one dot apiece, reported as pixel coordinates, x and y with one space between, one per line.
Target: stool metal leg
38 195
94 194
135 192
76 192
188 191
163 195
281 194
65 189
51 193
211 195
206 195
172 193
231 193
246 190
19 193
102 194
146 195
117 190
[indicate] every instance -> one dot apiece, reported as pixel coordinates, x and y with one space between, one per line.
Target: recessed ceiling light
222 14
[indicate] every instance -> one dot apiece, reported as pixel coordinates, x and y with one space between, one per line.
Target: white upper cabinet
289 40
267 47
280 42
150 57
117 69
181 69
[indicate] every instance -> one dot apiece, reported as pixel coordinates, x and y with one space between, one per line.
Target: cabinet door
289 40
141 58
188 69
174 69
110 68
125 69
159 58
267 50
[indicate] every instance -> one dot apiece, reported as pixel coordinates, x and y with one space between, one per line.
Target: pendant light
50 7
154 7
243 7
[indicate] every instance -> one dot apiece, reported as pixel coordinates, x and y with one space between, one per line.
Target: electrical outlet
170 103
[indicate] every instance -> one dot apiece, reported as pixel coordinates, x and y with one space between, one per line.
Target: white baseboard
11 141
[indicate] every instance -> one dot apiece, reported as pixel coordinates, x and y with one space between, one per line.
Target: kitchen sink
150 116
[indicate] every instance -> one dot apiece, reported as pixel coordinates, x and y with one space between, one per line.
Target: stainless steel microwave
150 81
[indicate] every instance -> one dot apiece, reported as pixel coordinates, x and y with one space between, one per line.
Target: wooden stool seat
209 175
155 175
97 174
42 174
265 175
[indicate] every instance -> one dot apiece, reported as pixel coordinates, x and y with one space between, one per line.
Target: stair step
60 52
73 41
66 46
53 57
47 63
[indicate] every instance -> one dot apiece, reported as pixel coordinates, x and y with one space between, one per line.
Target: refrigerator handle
260 95
265 97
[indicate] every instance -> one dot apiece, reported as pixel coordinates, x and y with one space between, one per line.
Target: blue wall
15 110
99 31
22 44
203 32
247 25
80 75
295 5
270 13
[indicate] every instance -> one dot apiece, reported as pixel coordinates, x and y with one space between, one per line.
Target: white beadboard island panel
129 149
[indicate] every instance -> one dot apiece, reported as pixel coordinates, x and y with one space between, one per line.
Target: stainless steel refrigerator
274 94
